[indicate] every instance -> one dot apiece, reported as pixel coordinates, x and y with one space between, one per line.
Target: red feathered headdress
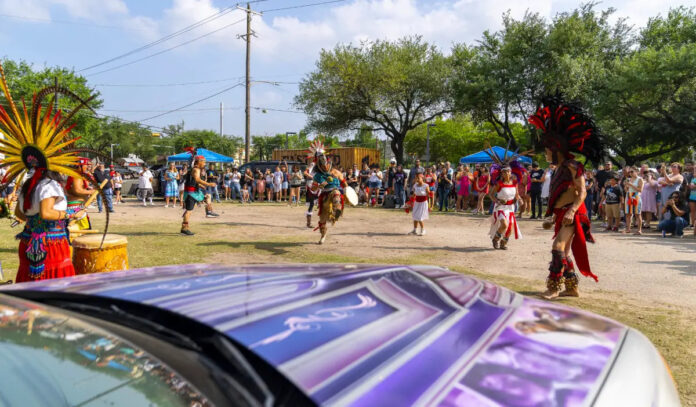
566 128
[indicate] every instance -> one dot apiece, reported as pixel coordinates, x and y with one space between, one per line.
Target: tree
389 86
127 137
363 138
501 79
456 137
24 81
648 106
208 139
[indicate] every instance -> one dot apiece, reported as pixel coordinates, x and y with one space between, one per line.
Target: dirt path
646 267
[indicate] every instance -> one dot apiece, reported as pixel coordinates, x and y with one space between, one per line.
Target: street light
427 142
112 151
287 133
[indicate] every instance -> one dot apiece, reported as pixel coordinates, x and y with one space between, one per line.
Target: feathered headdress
37 138
507 160
567 129
316 148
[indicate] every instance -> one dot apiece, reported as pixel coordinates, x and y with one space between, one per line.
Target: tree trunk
397 146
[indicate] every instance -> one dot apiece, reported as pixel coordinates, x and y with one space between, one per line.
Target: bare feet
550 294
570 292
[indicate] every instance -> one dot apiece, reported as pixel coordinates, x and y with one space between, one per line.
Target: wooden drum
88 258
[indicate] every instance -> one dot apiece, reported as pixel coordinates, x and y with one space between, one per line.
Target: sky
209 59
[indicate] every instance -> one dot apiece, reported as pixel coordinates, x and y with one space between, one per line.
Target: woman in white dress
503 221
546 179
421 206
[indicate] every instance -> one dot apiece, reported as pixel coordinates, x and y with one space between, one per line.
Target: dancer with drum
327 183
78 191
37 147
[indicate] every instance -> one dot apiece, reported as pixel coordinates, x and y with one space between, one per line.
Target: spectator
285 192
260 185
118 185
482 185
278 177
613 197
463 185
145 191
649 198
689 188
430 178
546 185
365 176
212 176
183 173
605 173
227 183
444 186
399 184
375 183
672 213
589 189
634 189
417 169
296 179
236 185
100 174
390 176
537 181
248 180
670 182
270 188
171 177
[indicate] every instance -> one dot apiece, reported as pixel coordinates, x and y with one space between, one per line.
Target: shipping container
341 156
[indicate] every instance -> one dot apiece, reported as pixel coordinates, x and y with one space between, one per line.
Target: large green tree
502 78
648 107
389 86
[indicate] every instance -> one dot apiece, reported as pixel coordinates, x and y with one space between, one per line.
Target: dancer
565 128
419 204
194 192
78 191
328 182
505 195
36 143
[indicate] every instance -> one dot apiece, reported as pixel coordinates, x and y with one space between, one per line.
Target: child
613 197
421 205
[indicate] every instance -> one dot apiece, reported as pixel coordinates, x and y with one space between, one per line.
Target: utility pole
247 110
221 108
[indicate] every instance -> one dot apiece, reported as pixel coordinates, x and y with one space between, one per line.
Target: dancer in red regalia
565 129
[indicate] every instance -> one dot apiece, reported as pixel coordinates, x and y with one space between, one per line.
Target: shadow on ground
273 248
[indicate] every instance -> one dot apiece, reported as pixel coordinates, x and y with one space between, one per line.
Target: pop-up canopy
482 158
210 156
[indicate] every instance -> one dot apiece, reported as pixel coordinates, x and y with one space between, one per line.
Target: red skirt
58 262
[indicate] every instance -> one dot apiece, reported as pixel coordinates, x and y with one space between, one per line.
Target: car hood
384 335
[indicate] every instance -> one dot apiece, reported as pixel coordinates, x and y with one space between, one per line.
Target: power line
164 85
69 22
166 49
302 6
201 109
166 37
192 103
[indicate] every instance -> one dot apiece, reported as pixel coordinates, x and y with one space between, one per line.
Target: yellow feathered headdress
37 138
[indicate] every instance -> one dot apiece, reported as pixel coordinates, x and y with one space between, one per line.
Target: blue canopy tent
210 156
482 158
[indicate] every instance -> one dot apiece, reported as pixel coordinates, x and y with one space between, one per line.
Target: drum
351 196
89 258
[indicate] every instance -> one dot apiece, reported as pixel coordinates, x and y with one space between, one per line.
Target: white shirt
376 176
46 188
236 176
144 181
278 177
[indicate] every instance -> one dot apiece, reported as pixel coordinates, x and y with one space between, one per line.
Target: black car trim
181 331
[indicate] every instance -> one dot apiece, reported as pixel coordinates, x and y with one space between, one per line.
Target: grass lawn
672 330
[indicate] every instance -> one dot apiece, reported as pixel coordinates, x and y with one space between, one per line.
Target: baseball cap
393 160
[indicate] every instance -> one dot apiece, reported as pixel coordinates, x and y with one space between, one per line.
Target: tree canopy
389 86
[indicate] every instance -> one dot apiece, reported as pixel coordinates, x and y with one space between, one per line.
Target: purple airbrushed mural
385 335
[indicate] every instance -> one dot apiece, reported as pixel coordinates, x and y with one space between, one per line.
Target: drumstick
92 197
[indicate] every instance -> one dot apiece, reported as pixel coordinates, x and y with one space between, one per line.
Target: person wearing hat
391 171
101 174
536 176
78 191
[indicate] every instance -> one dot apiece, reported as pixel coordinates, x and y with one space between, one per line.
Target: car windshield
64 360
